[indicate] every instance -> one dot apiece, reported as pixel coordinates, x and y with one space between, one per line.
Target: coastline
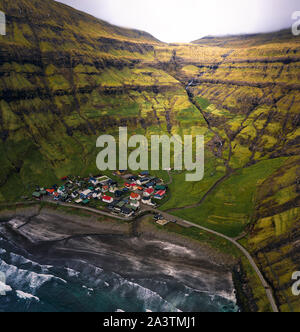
51 234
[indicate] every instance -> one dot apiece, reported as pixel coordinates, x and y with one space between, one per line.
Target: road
170 217
238 245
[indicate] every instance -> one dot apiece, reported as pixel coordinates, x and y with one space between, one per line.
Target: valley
67 78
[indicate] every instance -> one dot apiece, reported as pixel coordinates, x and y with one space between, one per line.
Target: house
133 208
133 178
142 181
61 189
103 179
93 181
85 202
148 192
119 193
85 194
160 187
119 206
113 189
135 197
135 204
50 191
127 212
105 189
162 222
143 174
147 201
160 194
56 196
36 194
78 201
149 185
99 196
107 199
74 194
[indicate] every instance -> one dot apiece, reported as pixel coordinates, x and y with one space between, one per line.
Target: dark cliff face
66 78
275 235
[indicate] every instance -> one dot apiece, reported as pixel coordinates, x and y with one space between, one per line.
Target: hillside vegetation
67 77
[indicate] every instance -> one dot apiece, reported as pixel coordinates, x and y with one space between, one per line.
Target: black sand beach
61 239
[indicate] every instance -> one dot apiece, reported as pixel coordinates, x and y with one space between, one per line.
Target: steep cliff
67 77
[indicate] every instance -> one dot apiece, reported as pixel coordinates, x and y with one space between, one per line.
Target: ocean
33 287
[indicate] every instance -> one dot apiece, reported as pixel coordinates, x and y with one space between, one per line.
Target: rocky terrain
66 78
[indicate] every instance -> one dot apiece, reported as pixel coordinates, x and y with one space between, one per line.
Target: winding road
266 286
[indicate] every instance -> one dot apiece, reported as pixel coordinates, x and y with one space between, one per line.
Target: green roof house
36 194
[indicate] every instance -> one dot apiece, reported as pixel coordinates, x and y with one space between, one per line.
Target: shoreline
68 234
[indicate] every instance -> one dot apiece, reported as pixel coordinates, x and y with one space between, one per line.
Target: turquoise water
80 286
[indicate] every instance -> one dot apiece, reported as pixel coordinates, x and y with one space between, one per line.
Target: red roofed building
135 196
107 199
148 192
160 194
50 191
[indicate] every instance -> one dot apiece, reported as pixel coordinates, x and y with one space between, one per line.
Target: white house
135 204
147 201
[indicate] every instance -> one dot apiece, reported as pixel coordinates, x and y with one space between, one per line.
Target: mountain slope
66 78
60 70
239 41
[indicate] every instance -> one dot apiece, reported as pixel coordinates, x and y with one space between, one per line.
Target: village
127 195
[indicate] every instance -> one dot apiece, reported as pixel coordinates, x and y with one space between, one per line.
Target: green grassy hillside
66 78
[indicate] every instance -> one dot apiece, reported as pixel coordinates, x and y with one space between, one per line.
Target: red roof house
50 191
148 192
107 199
135 196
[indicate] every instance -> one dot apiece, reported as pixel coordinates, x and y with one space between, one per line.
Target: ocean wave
20 260
222 294
4 288
26 296
26 280
72 273
148 297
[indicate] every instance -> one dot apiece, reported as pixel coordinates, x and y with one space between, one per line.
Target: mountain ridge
66 78
252 39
